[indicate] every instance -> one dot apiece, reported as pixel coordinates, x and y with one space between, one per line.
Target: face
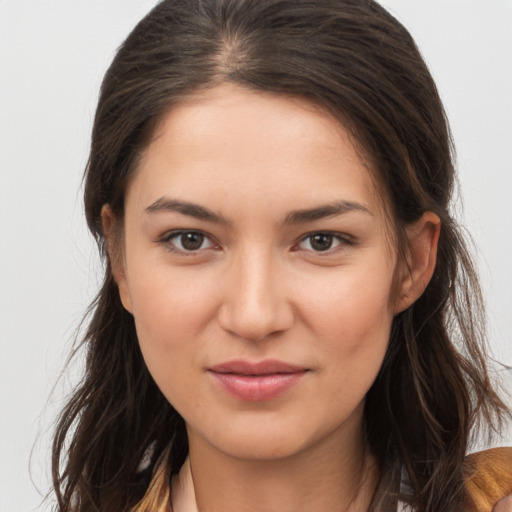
259 272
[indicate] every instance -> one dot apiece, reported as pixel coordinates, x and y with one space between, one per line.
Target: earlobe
113 240
423 237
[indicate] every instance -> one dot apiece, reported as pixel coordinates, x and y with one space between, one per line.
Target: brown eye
324 242
188 241
191 241
321 242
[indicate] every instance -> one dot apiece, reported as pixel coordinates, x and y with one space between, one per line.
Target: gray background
52 57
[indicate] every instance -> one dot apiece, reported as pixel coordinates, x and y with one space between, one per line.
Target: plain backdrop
52 58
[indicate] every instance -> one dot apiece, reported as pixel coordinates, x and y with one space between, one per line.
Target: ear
423 237
114 239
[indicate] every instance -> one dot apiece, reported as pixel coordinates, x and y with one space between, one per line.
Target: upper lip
266 367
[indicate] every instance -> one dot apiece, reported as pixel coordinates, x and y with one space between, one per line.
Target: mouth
256 382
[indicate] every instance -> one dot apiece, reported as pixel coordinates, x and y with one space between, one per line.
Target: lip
256 382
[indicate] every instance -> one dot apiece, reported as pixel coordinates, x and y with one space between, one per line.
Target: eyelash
167 240
342 241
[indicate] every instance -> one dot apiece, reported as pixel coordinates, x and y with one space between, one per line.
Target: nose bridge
255 303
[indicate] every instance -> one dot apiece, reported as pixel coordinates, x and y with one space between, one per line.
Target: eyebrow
165 204
327 210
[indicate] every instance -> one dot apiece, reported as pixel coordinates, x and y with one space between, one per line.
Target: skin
258 288
504 505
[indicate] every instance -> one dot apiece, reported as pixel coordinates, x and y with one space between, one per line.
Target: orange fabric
488 478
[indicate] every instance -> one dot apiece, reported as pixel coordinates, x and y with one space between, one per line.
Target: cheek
353 305
171 311
168 301
352 317
169 314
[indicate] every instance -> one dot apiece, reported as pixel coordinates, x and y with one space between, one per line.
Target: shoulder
488 478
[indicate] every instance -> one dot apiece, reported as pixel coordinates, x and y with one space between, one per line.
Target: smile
256 382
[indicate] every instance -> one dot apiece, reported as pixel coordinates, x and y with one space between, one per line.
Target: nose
255 304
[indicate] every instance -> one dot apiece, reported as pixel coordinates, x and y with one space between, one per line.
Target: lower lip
256 388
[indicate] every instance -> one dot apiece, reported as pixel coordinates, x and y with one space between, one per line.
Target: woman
289 318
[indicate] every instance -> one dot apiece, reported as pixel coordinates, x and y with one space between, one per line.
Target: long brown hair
359 63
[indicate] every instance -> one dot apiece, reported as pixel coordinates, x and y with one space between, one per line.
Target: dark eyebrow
185 208
327 210
294 217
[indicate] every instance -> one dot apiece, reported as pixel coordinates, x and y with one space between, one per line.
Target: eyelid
343 239
167 237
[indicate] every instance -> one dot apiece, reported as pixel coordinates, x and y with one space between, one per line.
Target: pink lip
256 382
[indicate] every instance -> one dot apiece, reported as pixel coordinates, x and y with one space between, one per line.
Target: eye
322 242
188 241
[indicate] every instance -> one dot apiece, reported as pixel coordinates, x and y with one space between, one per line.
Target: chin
262 439
263 447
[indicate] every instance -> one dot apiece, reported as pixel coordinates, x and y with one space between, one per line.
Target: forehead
228 142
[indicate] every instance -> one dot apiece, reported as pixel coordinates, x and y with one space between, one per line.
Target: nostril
254 322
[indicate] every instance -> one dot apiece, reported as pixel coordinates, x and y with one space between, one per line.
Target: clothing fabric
488 476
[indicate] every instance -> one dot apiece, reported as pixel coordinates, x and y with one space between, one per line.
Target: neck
330 476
